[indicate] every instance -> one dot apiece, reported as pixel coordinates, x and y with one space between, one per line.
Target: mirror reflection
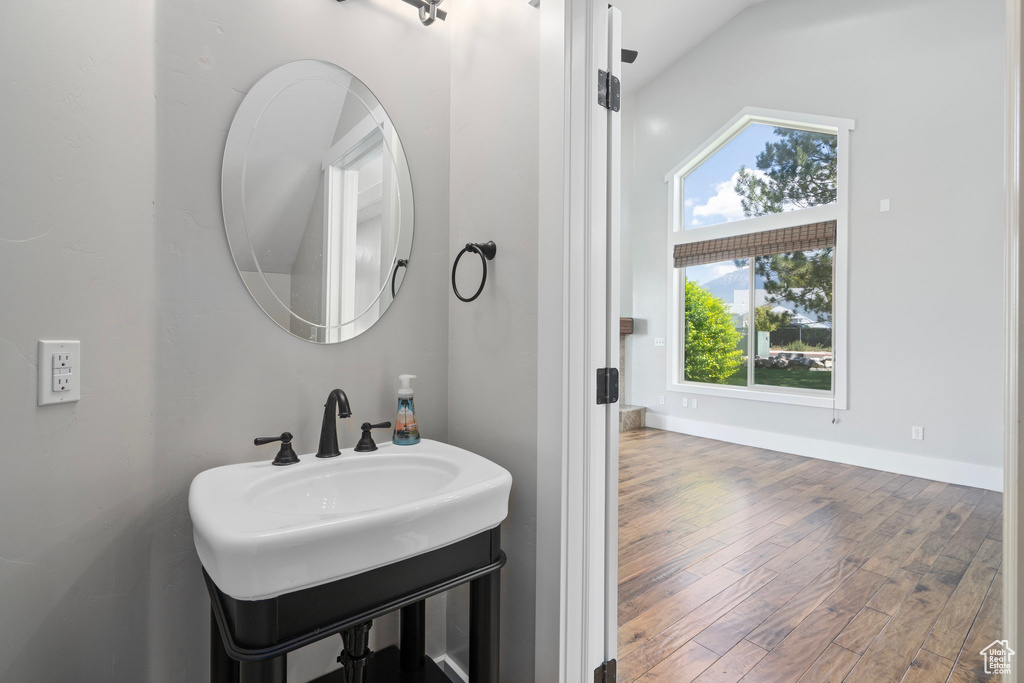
317 201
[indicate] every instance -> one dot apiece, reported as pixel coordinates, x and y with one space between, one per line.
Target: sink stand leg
484 614
413 643
223 669
265 671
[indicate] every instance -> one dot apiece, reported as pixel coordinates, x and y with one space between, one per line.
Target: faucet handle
286 437
366 443
285 456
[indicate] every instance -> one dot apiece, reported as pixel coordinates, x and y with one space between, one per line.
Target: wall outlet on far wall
659 341
661 400
686 401
917 433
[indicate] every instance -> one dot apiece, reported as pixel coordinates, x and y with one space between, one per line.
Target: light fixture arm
428 10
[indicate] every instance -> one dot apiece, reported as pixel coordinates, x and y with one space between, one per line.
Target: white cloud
723 206
710 271
720 269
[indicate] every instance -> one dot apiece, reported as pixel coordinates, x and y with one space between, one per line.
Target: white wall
924 82
99 580
626 213
493 340
628 112
77 498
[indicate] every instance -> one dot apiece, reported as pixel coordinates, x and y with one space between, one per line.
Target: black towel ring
400 263
486 251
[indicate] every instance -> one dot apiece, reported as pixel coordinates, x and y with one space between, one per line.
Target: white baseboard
937 469
451 669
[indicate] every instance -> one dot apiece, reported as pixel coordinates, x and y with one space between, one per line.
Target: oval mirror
317 199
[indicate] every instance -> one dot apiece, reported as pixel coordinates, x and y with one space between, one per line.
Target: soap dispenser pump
407 432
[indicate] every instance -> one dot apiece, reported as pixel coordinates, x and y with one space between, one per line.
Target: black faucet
329 430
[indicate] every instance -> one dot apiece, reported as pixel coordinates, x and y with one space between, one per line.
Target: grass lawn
798 379
737 379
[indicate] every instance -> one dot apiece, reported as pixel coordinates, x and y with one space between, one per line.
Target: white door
603 306
590 493
614 166
614 338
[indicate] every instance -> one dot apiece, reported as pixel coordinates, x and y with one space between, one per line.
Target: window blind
798 238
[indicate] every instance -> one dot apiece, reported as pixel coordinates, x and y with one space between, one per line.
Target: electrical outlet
60 372
62 379
661 400
883 206
686 402
917 433
659 341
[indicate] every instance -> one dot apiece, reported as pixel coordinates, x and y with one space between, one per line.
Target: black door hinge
608 87
605 673
607 386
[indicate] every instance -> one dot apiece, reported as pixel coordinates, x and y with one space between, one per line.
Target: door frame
563 624
573 320
1013 522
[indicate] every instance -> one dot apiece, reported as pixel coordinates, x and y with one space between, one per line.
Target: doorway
915 526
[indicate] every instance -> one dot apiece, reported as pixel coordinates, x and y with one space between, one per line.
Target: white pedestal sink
262 531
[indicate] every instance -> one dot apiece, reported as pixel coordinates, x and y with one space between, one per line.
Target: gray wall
99 580
227 374
924 82
77 491
493 340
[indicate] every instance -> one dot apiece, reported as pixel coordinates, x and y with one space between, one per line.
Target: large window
758 259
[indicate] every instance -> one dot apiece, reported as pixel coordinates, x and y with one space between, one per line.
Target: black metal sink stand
250 639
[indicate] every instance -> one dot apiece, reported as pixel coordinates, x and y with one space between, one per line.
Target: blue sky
709 190
709 197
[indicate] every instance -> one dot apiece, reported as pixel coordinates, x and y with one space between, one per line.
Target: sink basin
262 531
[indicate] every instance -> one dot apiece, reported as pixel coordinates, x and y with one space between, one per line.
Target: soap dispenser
407 432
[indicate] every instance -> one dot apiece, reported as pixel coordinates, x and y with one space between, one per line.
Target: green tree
767 320
711 338
802 277
798 170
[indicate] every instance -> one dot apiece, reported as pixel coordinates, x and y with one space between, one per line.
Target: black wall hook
486 252
400 263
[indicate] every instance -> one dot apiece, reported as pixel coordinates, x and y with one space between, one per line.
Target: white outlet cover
659 341
71 366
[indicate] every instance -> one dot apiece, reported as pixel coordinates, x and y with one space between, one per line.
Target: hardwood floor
737 563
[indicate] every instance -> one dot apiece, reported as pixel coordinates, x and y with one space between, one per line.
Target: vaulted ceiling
663 30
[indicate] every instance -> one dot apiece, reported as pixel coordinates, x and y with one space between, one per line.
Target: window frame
838 211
